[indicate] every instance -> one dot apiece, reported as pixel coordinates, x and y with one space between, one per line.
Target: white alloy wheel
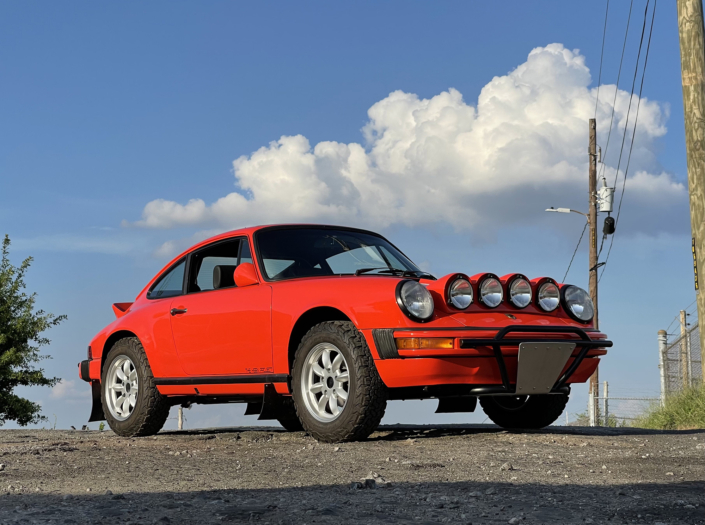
325 382
121 386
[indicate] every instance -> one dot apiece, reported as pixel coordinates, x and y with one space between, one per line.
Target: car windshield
311 252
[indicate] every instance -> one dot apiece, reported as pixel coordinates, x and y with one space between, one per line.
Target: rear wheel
519 412
131 402
338 393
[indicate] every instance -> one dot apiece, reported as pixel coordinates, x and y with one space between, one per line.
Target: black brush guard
500 340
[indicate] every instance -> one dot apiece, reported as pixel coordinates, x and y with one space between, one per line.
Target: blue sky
108 107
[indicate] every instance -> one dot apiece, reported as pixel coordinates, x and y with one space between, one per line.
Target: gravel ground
402 474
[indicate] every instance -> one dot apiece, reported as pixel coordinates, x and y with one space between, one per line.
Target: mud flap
97 409
272 406
449 405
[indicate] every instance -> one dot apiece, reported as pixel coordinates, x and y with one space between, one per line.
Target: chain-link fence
681 361
620 411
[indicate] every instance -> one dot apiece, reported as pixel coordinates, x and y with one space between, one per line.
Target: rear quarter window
170 284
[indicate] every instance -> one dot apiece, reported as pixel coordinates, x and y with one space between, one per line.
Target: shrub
682 411
21 329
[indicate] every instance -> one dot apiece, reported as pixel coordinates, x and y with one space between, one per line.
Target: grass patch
682 411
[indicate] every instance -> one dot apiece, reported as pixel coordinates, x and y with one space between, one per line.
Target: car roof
252 229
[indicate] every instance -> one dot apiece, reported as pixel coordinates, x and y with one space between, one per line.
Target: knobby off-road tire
367 395
151 408
524 412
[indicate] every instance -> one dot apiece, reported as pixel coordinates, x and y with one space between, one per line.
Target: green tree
21 337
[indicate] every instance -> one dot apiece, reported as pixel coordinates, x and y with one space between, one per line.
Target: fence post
662 363
685 381
605 404
691 381
181 418
591 406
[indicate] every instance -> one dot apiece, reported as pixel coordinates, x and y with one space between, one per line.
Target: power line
602 52
576 251
676 318
631 95
636 119
616 89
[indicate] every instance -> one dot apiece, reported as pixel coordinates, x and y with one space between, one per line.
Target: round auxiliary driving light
491 292
549 297
578 304
520 292
460 294
415 300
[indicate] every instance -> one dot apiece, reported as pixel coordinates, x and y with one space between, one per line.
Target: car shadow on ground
424 503
397 432
401 431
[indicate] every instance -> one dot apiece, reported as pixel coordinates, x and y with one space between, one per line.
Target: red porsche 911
319 326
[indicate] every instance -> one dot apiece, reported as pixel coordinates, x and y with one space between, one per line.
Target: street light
568 210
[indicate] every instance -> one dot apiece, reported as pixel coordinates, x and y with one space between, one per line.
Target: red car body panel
246 332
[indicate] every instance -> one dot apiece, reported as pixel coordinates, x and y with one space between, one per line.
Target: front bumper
486 362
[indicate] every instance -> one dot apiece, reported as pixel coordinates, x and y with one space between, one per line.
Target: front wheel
528 412
131 402
337 391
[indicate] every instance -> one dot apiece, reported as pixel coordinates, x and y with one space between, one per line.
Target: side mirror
245 275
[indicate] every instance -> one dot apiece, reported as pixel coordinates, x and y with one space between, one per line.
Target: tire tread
370 398
538 412
154 412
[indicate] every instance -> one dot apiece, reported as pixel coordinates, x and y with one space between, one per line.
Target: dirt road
422 475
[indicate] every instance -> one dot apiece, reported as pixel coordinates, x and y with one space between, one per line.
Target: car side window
170 284
245 255
212 267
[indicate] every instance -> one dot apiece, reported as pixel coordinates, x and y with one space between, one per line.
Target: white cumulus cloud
67 389
522 147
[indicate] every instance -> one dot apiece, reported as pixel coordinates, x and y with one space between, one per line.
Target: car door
220 329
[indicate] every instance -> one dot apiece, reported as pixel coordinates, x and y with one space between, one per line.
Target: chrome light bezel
482 295
564 303
403 306
539 290
510 286
449 293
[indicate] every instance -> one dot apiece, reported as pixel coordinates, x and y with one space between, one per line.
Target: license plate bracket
539 365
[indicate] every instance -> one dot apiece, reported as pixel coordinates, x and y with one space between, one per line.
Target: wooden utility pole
692 43
592 253
181 418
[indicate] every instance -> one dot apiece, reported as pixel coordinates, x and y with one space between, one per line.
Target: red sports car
319 326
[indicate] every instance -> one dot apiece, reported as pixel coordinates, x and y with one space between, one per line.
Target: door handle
177 311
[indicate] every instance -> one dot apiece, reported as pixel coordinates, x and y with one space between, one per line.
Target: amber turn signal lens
416 343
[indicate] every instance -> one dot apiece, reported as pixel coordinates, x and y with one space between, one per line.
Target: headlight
460 294
414 300
491 292
577 303
520 292
549 297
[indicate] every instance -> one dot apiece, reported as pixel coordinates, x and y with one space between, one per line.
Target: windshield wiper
408 273
396 271
360 271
